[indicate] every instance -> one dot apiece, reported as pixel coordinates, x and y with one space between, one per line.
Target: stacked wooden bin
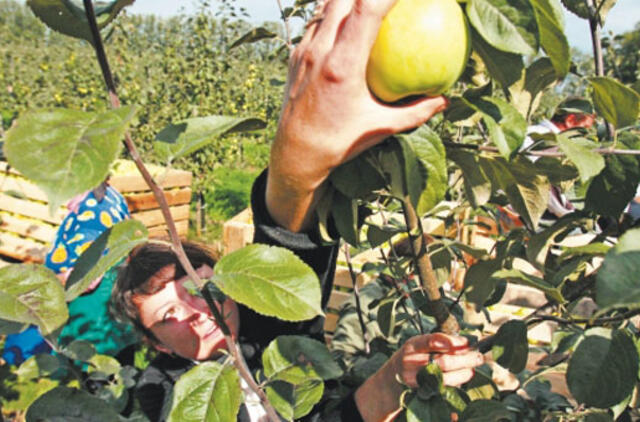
27 228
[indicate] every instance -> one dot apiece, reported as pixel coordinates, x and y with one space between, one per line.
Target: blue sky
623 17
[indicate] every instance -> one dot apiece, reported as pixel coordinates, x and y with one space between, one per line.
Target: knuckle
308 57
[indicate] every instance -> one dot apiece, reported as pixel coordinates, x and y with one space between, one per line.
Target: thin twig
162 202
594 25
287 30
591 322
356 293
602 151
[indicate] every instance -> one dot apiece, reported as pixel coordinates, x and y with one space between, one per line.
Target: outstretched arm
329 116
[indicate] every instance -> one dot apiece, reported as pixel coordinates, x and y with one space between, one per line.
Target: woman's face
182 322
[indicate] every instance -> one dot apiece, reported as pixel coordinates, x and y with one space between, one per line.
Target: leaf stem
446 321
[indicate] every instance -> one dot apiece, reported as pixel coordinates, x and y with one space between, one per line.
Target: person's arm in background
329 116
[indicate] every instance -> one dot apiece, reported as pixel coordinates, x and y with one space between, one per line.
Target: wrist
378 398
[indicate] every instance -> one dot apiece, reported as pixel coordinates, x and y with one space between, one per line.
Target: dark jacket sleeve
258 330
318 255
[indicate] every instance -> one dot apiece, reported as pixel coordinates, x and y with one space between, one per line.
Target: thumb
413 114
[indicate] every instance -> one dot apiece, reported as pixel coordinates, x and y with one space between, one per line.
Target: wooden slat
30 209
23 186
27 227
147 200
21 248
337 298
135 182
154 217
238 231
330 322
343 278
162 231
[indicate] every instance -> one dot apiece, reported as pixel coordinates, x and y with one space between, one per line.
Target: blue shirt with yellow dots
89 317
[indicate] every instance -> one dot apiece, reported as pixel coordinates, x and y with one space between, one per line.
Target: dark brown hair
135 277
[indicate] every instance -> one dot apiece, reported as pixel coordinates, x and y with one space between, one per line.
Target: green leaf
70 405
505 68
580 151
66 152
507 128
345 215
603 360
508 25
580 9
556 170
11 327
386 317
429 380
357 178
415 172
526 93
617 103
295 359
510 347
476 185
119 240
550 22
32 294
188 136
68 16
592 249
207 392
39 366
270 280
540 242
255 34
617 182
526 190
539 75
617 281
519 277
478 283
429 148
405 174
81 350
433 410
294 401
485 411
376 236
481 386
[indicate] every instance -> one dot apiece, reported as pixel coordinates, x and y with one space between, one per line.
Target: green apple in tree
421 49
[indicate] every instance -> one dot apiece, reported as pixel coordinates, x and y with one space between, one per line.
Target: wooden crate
27 229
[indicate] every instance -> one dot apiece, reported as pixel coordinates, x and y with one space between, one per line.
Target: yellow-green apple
421 49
